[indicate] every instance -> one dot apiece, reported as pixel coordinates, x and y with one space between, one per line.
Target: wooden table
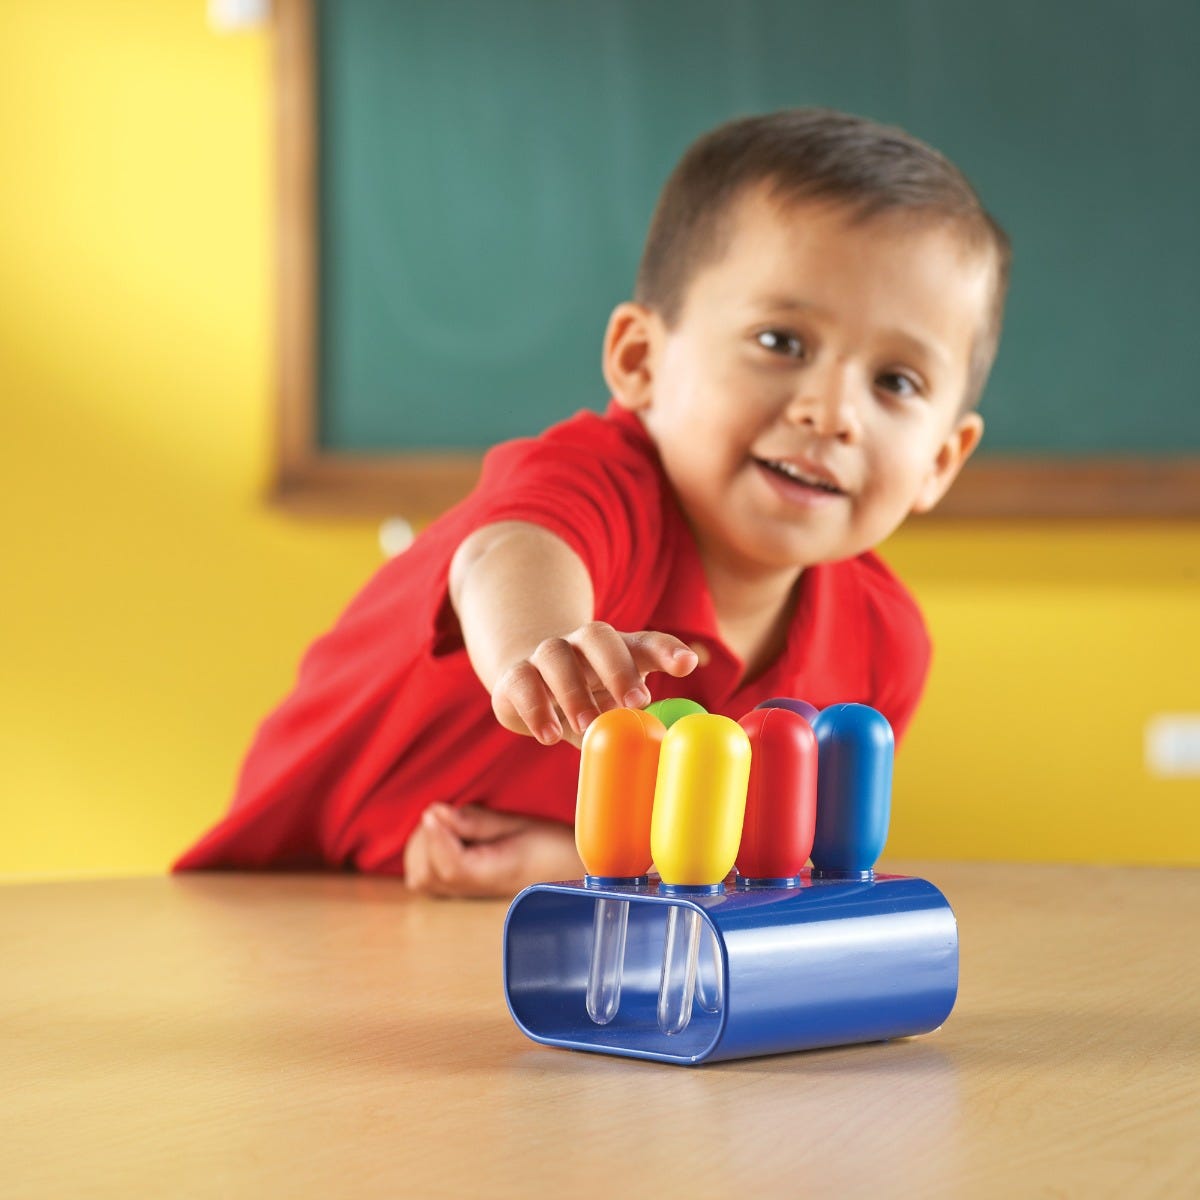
333 1036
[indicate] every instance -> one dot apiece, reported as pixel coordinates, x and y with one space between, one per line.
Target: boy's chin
799 555
815 552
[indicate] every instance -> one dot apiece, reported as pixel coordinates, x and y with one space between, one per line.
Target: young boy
817 308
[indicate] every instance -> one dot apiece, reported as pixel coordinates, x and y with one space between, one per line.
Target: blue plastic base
822 963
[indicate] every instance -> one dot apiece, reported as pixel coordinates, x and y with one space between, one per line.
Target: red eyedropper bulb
781 799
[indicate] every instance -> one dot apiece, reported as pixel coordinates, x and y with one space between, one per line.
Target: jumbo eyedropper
699 803
708 966
674 709
781 809
856 748
802 707
618 768
781 800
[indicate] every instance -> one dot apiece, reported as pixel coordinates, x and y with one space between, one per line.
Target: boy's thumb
684 660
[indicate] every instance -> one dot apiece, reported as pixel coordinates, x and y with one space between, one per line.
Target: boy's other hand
475 852
566 683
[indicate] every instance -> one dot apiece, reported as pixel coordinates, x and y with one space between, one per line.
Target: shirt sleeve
592 488
597 500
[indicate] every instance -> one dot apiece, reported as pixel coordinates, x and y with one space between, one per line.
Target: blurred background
154 600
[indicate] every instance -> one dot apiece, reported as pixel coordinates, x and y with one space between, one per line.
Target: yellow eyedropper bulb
700 799
699 805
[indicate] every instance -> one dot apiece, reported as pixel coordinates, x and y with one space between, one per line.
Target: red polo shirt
387 716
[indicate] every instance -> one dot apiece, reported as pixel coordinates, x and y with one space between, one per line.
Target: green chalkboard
487 170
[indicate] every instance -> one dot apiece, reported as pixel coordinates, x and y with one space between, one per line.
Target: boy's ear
954 451
630 345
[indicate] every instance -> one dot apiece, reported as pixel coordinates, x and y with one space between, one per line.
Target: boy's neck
753 612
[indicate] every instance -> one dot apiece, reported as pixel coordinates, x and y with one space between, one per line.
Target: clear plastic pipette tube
699 803
617 772
609 927
710 982
677 989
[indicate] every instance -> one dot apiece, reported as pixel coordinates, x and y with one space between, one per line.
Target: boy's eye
780 342
898 384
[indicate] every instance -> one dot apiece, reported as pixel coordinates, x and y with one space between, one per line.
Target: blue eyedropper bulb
855 751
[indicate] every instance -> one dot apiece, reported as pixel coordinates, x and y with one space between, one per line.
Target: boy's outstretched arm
525 604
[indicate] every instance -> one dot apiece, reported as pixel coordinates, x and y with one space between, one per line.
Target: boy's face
809 396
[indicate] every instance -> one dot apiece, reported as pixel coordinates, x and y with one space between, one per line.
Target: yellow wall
152 607
1054 645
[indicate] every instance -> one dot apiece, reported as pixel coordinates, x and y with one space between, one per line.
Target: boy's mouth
806 476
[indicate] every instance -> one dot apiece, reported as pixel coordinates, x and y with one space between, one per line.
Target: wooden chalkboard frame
311 479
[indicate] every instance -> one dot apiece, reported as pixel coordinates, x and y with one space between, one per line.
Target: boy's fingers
444 852
475 823
416 864
522 703
653 651
487 867
566 677
567 682
608 656
418 870
438 863
478 870
537 850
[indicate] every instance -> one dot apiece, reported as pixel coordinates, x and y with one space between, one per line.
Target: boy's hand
475 852
515 587
562 687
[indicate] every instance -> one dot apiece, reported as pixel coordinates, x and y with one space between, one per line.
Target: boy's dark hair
811 154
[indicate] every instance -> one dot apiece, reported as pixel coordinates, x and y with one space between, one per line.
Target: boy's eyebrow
921 347
790 303
917 344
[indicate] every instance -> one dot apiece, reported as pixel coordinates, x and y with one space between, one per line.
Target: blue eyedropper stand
842 955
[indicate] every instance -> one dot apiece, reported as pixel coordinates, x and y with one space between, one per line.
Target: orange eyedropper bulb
618 768
699 805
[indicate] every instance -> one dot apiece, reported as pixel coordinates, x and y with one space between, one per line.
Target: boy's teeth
794 472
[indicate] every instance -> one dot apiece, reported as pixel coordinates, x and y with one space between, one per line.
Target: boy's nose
824 403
